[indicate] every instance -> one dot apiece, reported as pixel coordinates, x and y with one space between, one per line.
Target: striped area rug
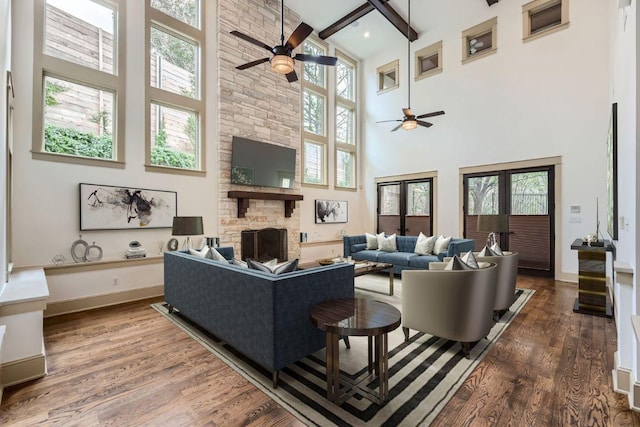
424 373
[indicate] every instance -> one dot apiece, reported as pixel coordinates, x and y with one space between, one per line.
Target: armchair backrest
452 304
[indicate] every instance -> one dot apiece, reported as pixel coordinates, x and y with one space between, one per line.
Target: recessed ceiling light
366 34
355 24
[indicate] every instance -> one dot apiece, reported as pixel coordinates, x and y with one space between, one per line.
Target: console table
357 317
592 278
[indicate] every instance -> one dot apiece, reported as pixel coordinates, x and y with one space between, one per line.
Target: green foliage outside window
161 155
77 143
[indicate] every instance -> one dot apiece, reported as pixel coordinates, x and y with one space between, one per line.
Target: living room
542 102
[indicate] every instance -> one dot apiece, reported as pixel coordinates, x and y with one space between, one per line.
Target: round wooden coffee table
356 317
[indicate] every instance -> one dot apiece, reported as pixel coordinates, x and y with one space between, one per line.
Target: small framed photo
105 207
331 211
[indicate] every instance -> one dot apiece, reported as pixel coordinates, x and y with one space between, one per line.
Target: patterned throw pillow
424 244
372 240
470 260
273 267
387 244
286 267
202 253
215 255
496 249
442 244
457 264
255 265
240 263
489 251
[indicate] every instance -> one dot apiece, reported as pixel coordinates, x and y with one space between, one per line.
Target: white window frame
536 6
384 70
426 52
168 24
45 65
323 139
485 27
353 106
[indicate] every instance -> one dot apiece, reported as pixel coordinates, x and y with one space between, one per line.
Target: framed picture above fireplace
331 211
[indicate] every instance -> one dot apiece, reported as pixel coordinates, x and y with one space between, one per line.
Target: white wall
544 98
46 205
5 64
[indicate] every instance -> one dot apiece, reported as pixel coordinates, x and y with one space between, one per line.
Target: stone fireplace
265 244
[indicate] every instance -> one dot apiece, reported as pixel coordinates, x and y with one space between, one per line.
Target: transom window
388 78
428 61
542 17
480 41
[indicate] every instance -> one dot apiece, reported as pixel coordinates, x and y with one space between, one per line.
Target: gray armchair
453 304
506 287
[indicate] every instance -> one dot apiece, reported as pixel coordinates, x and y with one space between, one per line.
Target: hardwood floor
126 365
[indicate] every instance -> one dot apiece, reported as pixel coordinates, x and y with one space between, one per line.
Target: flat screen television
262 164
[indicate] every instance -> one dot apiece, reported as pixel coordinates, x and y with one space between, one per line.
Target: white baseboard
81 304
27 369
622 377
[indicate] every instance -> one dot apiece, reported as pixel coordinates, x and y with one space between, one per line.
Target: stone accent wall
258 104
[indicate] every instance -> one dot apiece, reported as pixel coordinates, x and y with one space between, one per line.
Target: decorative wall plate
173 244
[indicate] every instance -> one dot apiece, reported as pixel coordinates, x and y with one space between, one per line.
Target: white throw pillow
216 256
496 249
372 240
387 244
442 243
470 260
424 244
240 263
457 264
202 253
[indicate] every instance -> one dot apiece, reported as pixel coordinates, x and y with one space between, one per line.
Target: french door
404 207
526 196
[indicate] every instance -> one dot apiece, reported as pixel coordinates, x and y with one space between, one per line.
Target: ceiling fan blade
435 113
292 77
407 112
252 64
298 35
396 128
387 121
318 59
425 124
251 40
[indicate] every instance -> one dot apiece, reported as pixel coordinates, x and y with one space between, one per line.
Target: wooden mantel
244 197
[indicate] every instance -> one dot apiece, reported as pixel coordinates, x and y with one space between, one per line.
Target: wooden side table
357 317
592 279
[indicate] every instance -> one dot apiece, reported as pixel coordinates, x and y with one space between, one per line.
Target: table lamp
493 224
187 226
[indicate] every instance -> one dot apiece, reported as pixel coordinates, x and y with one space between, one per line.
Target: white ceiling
382 34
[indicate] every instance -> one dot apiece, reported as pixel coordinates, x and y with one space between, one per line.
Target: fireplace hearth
265 244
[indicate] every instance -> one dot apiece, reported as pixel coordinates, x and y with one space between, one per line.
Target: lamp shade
282 64
187 226
493 223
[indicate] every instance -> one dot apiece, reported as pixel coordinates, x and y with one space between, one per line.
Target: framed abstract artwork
612 174
106 207
331 211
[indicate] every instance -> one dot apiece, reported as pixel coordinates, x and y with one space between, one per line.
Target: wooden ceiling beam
361 11
392 16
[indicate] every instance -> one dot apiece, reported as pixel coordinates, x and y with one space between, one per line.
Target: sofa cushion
358 247
366 255
406 243
395 258
424 244
387 244
442 244
422 261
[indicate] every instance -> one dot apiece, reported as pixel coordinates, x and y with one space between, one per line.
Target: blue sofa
405 258
261 315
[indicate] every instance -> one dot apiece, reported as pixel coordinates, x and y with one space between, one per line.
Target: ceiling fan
474 46
410 120
282 62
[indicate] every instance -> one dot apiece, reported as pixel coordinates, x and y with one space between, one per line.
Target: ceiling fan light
282 64
409 124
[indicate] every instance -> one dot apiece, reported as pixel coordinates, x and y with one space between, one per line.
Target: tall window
314 114
79 61
175 70
345 114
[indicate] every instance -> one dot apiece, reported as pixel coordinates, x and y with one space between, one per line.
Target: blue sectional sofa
405 258
262 315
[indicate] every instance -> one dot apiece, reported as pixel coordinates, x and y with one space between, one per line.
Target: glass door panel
483 198
418 208
389 208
